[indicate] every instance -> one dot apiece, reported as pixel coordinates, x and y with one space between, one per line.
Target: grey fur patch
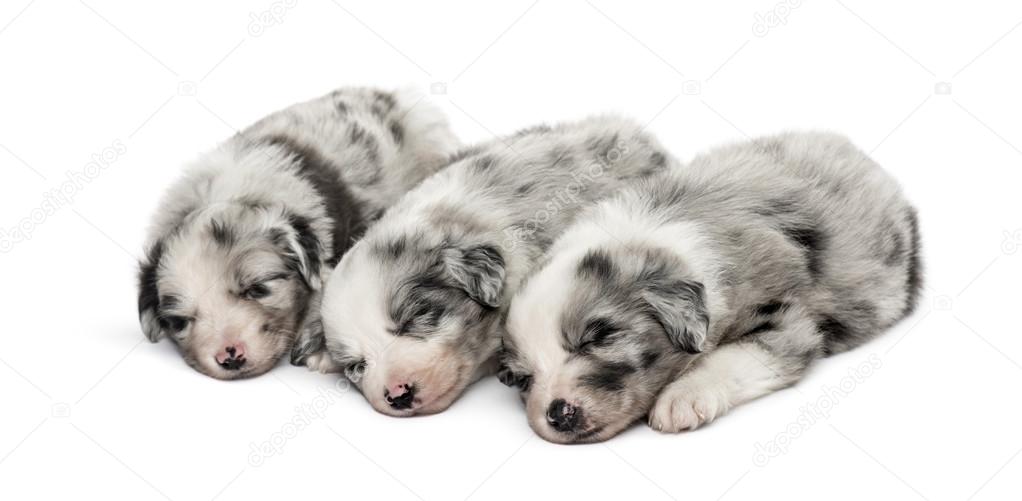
222 234
761 328
391 249
776 207
812 240
525 188
834 330
598 265
771 308
341 107
891 246
658 160
649 358
602 146
383 104
397 132
608 376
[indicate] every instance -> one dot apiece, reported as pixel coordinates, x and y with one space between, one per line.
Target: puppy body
239 247
413 309
708 286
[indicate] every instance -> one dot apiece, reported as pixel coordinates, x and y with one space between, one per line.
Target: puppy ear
149 293
301 249
680 308
478 270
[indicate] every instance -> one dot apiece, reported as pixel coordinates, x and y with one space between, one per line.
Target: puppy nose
400 396
563 416
232 357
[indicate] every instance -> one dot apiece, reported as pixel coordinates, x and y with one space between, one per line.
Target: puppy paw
682 407
321 362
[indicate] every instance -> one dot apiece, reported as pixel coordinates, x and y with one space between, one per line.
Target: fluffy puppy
240 246
706 287
413 309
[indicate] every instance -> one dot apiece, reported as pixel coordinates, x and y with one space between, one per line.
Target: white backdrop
102 101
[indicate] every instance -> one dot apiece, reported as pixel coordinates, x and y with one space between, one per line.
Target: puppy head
229 287
412 318
595 335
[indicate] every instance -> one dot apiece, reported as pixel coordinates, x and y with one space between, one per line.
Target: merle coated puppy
240 246
709 286
412 311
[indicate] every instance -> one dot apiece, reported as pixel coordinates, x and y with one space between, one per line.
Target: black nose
402 400
234 360
563 416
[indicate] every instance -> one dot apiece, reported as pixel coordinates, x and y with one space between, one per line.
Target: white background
89 409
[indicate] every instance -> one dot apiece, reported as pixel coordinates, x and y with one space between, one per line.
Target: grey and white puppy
413 309
240 246
719 282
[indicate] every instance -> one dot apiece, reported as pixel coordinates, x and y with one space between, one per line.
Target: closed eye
261 288
173 323
425 316
522 381
256 291
355 370
597 332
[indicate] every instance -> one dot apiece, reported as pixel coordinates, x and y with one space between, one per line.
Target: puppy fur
711 285
413 309
239 247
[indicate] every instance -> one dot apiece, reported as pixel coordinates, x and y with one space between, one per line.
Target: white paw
682 407
321 362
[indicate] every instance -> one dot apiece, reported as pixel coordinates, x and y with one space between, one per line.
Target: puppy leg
321 362
772 356
310 343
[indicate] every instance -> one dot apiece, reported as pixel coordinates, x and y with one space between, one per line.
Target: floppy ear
149 293
301 249
680 307
478 270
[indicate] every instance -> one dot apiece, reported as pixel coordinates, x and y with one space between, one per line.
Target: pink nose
231 357
396 390
400 396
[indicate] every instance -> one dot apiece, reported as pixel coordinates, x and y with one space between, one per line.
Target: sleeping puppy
698 290
240 246
413 309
